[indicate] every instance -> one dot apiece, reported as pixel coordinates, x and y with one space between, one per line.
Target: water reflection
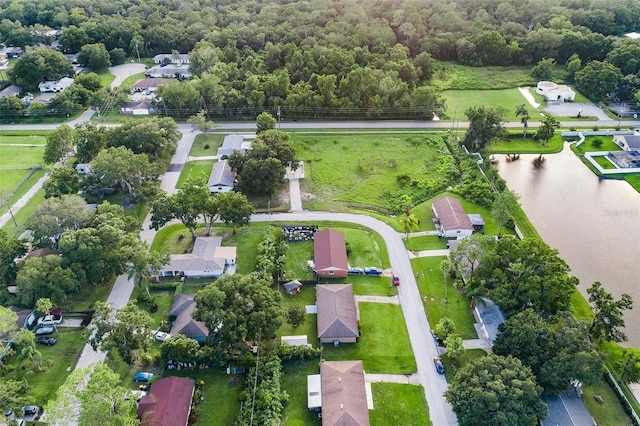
594 224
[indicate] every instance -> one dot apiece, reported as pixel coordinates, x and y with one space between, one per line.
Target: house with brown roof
149 84
182 316
330 254
343 394
168 402
451 219
337 313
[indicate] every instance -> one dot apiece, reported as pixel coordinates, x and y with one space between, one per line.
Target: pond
594 224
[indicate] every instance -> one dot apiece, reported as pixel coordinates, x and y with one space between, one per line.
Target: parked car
439 365
355 271
49 341
50 319
136 395
395 280
161 336
372 271
44 329
31 410
142 376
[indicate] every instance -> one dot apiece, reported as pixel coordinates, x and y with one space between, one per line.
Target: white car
161 336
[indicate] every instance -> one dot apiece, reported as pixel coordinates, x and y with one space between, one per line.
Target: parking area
570 109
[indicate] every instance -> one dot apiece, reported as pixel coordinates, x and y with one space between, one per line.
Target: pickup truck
372 271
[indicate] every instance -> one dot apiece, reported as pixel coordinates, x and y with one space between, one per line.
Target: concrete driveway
571 109
124 71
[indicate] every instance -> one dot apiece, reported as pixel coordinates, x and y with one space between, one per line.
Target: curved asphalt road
424 348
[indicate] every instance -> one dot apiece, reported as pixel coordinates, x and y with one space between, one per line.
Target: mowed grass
384 344
55 359
515 144
22 139
213 141
360 168
432 290
426 242
294 382
590 142
23 215
397 404
197 169
459 101
604 162
298 254
106 78
449 75
610 413
309 327
15 163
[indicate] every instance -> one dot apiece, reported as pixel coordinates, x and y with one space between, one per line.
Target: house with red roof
330 254
168 402
451 219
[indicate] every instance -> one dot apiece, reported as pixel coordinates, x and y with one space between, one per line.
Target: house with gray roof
181 315
337 313
628 142
169 71
170 58
234 142
222 178
207 259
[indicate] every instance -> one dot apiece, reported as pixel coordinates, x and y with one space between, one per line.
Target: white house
628 142
169 58
169 71
136 108
235 142
555 92
55 86
207 259
450 218
222 179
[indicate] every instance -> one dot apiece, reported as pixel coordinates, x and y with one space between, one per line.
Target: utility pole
279 116
138 52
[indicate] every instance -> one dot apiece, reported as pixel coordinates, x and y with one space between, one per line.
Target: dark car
372 271
30 410
355 271
49 341
439 365
395 279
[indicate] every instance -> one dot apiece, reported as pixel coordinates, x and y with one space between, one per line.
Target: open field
343 169
458 101
15 164
384 344
516 145
450 76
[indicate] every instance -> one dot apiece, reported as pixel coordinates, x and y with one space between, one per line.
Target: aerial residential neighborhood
319 213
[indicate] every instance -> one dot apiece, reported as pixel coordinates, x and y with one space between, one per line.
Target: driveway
571 109
124 71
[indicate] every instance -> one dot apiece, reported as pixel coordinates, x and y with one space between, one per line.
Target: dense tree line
330 59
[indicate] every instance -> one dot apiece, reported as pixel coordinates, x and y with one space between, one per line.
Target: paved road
424 348
124 71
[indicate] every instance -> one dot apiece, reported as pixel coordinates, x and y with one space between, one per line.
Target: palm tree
408 224
445 267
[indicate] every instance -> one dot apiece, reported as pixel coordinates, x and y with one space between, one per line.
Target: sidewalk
392 300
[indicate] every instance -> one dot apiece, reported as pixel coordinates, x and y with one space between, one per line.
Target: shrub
597 142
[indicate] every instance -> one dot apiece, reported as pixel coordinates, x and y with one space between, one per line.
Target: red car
395 280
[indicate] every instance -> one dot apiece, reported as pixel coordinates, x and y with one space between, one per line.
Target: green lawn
213 141
16 161
294 382
200 168
55 360
589 145
221 394
396 404
604 162
23 215
106 78
27 139
458 101
129 81
298 254
383 336
347 169
370 285
18 192
454 76
516 145
426 242
310 326
610 413
432 291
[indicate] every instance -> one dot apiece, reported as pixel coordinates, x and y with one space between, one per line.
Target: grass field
23 215
106 78
348 168
610 413
458 101
213 140
129 81
427 242
432 291
604 162
396 404
516 145
294 382
16 160
310 325
383 336
450 76
200 168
